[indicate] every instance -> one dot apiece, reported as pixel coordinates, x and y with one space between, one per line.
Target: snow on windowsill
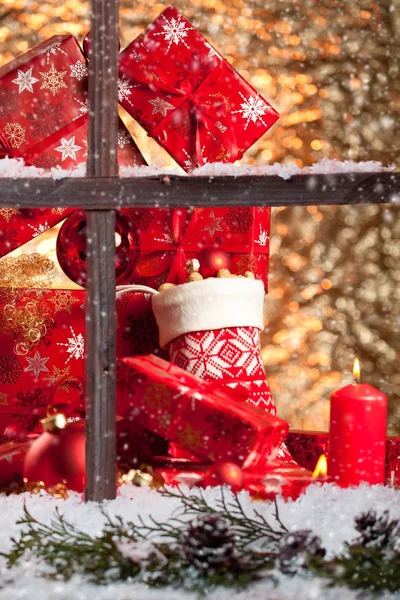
15 168
327 510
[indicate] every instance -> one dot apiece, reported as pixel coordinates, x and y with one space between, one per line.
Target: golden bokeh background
331 69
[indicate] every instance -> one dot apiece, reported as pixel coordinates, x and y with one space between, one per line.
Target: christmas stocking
212 328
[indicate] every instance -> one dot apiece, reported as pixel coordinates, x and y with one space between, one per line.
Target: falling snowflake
15 133
53 80
63 300
8 213
124 89
68 148
25 80
75 346
53 49
175 32
213 225
84 106
263 238
161 106
79 70
253 109
212 52
123 138
39 229
36 364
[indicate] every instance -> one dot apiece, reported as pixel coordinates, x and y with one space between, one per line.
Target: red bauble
71 247
212 260
225 473
58 457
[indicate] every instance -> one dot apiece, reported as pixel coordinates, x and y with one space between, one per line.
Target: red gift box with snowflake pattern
188 97
209 422
44 368
168 238
43 119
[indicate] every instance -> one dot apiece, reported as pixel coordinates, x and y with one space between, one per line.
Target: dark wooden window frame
102 191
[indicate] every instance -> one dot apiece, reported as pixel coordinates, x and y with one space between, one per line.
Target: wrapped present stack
193 402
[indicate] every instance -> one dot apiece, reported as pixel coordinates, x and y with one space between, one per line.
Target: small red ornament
211 260
71 247
58 456
225 473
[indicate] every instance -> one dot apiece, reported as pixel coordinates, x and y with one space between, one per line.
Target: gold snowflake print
190 438
247 262
15 133
3 399
63 300
60 374
53 80
57 211
157 396
7 213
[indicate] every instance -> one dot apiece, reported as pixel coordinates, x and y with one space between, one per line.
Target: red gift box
43 119
35 375
169 238
209 422
188 97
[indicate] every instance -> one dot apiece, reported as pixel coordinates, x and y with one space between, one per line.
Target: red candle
357 435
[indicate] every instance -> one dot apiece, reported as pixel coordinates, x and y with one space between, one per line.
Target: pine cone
295 549
208 544
376 531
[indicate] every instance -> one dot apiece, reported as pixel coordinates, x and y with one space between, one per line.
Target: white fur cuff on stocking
209 304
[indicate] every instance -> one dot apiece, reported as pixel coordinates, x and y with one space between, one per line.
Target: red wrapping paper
188 97
169 238
43 119
210 423
30 382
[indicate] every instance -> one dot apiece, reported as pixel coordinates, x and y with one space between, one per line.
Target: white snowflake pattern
175 32
167 238
79 70
193 162
161 106
133 54
214 224
124 89
212 51
84 107
25 81
262 238
39 229
253 109
53 49
68 148
123 138
75 346
36 364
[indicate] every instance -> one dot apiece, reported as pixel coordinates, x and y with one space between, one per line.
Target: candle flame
321 468
356 370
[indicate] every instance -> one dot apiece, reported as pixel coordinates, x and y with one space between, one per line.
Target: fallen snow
15 167
327 510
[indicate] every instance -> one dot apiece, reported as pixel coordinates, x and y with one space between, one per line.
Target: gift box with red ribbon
42 342
207 421
168 238
188 97
44 120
